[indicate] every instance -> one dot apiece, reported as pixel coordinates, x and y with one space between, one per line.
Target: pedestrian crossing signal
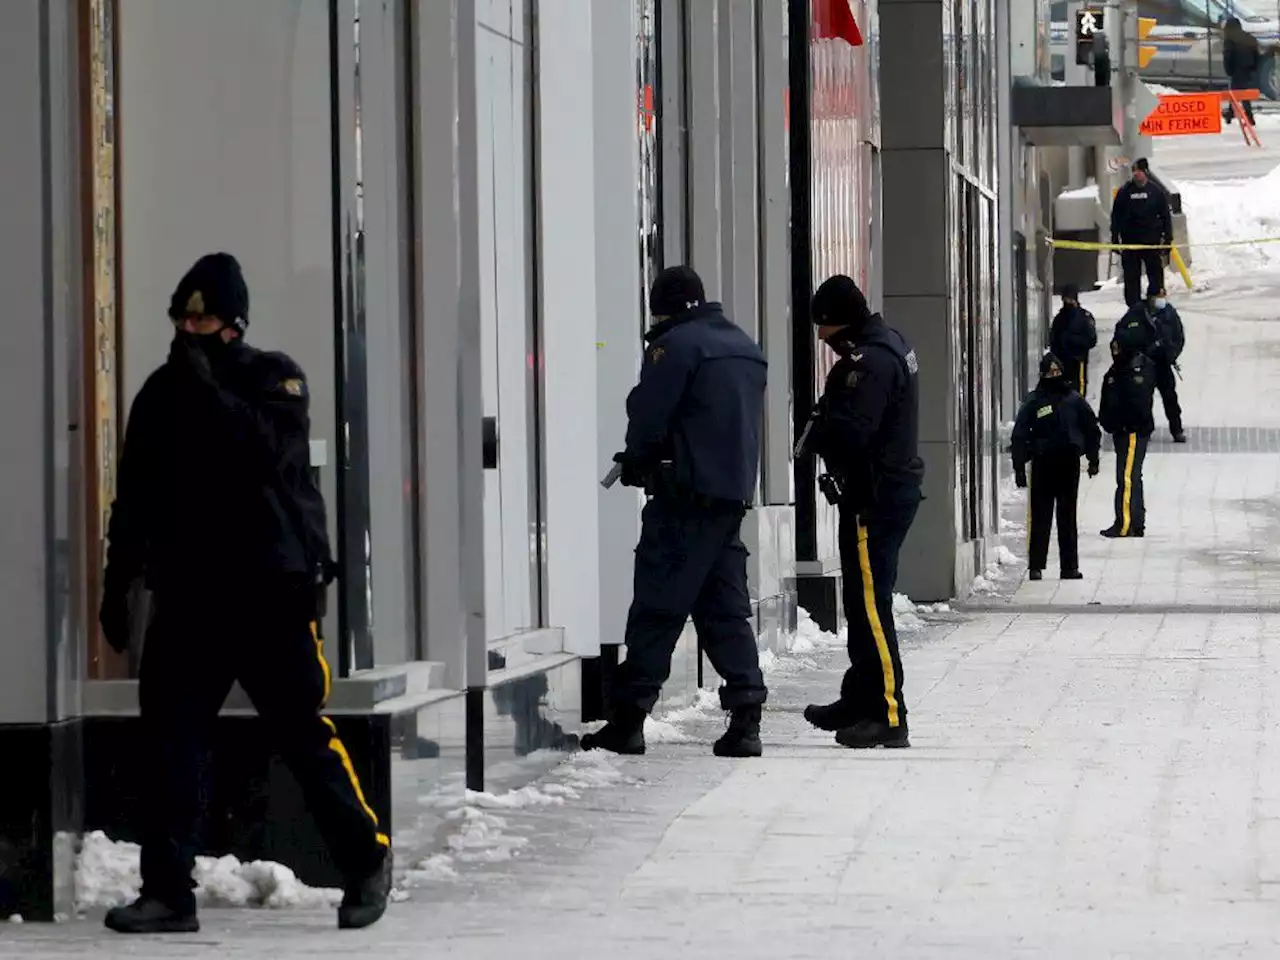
1145 52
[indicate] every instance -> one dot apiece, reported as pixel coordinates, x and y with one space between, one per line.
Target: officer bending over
865 429
693 443
1072 335
1171 338
1125 412
1054 428
217 509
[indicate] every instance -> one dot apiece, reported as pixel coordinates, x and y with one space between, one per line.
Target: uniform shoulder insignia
855 357
294 386
657 353
913 365
1137 378
851 380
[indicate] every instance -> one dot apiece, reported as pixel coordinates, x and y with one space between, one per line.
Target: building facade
449 213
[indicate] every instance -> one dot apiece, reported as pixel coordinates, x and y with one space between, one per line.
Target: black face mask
1054 384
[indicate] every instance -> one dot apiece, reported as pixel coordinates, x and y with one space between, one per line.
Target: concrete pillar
918 273
42 656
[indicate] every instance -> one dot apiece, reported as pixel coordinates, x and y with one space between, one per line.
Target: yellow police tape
1174 255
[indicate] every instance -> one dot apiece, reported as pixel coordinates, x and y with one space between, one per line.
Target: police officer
1128 391
1054 428
1140 215
217 510
1072 335
693 443
866 433
1171 337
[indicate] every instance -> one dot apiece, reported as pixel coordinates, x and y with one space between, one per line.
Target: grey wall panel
24 387
913 78
704 187
618 318
214 158
439 293
389 330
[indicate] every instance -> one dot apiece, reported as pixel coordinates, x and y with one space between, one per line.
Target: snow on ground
108 874
1227 210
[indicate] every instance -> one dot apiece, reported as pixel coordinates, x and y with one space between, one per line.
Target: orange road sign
1184 114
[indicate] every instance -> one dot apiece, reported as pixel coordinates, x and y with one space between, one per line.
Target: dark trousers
1053 485
690 561
1131 505
869 546
1133 262
195 648
1167 384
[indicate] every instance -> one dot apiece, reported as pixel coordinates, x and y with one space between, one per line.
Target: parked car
1188 41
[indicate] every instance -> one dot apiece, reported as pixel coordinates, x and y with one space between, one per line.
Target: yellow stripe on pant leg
337 747
1030 478
877 628
1084 387
324 664
1128 483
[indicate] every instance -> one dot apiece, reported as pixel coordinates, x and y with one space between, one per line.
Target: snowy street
1095 769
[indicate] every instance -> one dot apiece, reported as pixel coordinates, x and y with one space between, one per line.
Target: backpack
1172 335
1050 431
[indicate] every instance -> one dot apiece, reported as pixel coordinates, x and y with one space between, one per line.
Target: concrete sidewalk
1081 785
1213 504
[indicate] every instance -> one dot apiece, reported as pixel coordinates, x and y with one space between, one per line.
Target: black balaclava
213 287
1051 374
839 303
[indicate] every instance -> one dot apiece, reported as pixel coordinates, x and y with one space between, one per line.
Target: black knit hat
213 287
675 290
839 303
1070 292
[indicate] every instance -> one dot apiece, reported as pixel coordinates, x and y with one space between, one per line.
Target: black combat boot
831 716
742 739
1113 532
622 734
1072 575
866 734
149 915
364 899
1035 575
1179 436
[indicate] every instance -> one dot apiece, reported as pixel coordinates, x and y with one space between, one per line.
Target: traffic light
1145 52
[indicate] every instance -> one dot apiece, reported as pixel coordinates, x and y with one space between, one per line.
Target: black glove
1020 479
186 355
634 473
113 615
1093 468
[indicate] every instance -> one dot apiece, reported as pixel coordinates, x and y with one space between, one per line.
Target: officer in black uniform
1172 338
1128 391
216 508
1072 335
1054 428
865 429
1140 215
693 443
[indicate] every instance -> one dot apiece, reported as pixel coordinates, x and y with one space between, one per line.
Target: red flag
832 19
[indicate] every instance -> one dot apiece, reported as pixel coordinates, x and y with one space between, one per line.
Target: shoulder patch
1137 378
913 365
657 353
852 379
294 386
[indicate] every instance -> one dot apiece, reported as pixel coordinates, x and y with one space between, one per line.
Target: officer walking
1054 428
1125 412
693 444
1140 215
1171 338
217 510
865 429
1072 335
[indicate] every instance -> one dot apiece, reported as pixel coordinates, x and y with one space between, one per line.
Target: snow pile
810 637
1159 89
1230 210
482 837
1087 192
989 580
905 616
108 874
